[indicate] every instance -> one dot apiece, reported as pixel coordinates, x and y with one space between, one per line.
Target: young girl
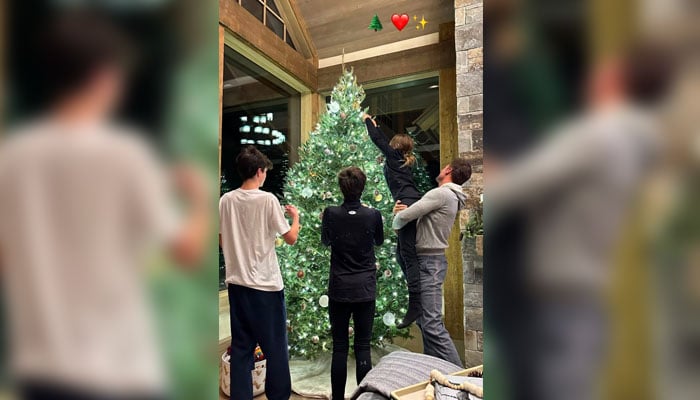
351 231
399 160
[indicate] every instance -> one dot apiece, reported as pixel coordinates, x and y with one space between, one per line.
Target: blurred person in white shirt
577 188
83 203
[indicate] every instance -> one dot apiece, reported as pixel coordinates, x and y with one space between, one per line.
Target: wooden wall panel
249 29
408 62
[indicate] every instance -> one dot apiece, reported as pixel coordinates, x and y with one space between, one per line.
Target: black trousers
407 257
363 318
258 317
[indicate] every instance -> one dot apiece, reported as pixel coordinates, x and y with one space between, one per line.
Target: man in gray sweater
435 213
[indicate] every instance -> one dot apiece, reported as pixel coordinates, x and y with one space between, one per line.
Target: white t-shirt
250 221
78 204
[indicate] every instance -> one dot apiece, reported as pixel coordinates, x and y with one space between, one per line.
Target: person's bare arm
293 234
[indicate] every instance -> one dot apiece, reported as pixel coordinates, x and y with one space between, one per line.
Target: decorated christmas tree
340 140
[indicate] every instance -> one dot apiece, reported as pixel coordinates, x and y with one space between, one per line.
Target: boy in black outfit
352 231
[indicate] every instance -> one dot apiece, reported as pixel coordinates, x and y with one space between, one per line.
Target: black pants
48 391
407 257
363 318
258 317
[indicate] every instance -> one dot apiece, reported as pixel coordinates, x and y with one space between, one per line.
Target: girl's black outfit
403 187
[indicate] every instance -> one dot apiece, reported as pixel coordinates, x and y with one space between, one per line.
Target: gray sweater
435 213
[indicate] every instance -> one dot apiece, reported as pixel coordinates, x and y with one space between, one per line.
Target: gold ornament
279 242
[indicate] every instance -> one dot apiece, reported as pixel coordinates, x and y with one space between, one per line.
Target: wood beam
449 139
221 93
245 27
409 62
381 50
296 25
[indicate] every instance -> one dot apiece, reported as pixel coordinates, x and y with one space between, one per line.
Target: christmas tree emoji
376 24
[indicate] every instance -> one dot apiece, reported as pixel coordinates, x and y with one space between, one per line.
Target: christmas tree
376 24
340 140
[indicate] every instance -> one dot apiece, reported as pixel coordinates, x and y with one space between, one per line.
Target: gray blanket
398 370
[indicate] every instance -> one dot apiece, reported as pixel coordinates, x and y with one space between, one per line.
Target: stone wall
470 63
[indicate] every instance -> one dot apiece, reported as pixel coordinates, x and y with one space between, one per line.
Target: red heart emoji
399 21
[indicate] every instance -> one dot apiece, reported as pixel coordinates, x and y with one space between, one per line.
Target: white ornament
323 301
389 319
307 192
334 107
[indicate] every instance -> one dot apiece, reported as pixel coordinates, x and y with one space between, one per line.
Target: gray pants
569 348
436 339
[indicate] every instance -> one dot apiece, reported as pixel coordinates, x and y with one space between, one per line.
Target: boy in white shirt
250 220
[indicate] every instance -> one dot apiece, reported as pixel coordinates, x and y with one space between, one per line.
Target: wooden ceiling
338 24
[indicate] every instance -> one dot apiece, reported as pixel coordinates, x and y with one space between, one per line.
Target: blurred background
167 96
591 163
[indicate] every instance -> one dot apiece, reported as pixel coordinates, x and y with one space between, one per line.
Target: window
258 110
414 108
268 13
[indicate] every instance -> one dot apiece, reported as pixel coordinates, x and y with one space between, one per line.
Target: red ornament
300 274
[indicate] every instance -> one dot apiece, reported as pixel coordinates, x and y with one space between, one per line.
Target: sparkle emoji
422 23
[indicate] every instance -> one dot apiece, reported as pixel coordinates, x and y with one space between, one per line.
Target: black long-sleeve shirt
399 177
352 231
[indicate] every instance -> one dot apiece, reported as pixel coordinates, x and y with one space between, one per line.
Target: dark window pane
254 7
289 41
259 110
271 4
276 25
412 108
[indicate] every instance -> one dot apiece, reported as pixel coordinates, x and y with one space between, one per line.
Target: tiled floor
415 344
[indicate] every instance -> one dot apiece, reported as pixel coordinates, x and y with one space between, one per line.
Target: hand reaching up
365 116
